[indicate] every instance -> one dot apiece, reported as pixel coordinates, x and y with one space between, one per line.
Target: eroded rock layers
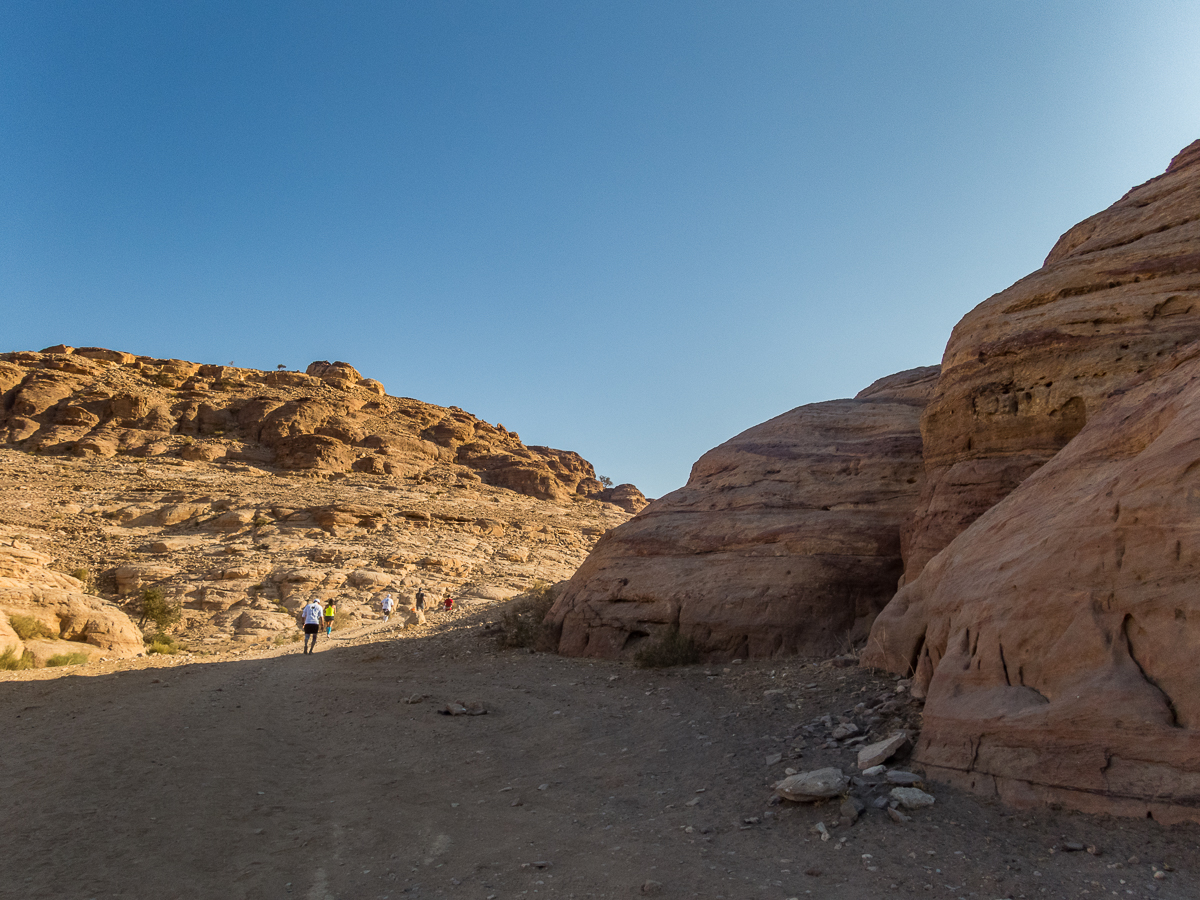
330 420
46 614
1027 368
1056 638
1049 611
786 539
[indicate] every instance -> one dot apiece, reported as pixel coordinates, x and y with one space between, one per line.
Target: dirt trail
284 775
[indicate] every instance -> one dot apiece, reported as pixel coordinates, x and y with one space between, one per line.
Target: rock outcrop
1056 637
327 421
626 496
46 614
786 539
1025 370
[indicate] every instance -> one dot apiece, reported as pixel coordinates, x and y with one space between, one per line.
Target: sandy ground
277 774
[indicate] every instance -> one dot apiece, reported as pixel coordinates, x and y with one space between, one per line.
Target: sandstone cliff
1056 636
1026 369
238 493
786 539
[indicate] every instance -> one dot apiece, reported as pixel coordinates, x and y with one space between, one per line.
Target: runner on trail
449 603
388 605
312 623
420 598
330 612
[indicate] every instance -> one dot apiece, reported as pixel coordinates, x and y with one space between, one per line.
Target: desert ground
337 775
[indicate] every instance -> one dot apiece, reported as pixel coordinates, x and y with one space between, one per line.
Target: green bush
523 621
29 628
154 607
670 649
68 659
162 643
10 662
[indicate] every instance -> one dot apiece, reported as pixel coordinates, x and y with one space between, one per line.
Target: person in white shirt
388 605
312 623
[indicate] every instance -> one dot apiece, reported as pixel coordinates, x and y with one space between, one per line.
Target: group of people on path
314 615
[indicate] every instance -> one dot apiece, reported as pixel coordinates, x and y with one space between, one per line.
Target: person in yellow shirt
330 612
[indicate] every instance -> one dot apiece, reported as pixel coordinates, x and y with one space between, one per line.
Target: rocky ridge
238 493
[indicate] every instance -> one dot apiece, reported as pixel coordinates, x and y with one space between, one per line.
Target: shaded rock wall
1056 637
1025 370
786 539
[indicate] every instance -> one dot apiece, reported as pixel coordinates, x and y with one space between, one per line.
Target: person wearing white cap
388 605
312 623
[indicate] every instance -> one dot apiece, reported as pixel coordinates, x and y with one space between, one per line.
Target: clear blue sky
630 229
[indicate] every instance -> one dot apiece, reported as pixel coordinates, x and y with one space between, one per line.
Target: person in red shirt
449 601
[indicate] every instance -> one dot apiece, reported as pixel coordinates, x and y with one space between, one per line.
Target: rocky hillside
786 538
238 493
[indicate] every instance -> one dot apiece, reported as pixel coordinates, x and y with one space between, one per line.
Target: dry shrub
10 662
28 628
68 659
670 649
162 643
523 622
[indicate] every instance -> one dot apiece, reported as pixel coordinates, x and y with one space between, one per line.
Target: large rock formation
1056 637
92 402
786 539
1026 369
46 614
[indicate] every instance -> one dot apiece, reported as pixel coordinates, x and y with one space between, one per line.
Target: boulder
1054 639
1025 370
626 496
135 576
786 539
911 797
881 751
808 787
68 616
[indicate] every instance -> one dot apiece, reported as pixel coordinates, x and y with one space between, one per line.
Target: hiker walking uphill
420 598
388 604
330 612
312 623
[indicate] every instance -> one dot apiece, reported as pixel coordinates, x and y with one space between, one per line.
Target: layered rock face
46 614
786 539
1025 370
1056 637
92 402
